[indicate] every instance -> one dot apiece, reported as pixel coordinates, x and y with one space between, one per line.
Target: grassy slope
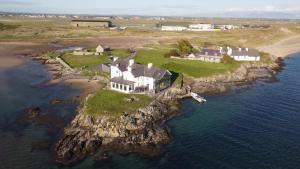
84 61
187 67
115 103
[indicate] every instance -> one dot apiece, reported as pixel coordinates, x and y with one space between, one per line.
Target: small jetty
198 98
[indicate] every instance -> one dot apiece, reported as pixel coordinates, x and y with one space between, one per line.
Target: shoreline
284 48
146 131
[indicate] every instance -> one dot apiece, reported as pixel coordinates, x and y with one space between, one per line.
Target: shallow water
258 127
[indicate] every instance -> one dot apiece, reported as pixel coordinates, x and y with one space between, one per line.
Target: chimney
115 59
229 52
129 69
150 65
131 62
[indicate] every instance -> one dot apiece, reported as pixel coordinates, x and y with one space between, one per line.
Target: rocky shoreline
145 131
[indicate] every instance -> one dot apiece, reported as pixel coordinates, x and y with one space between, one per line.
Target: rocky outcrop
141 131
247 73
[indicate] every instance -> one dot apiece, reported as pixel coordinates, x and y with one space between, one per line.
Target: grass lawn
121 53
107 102
187 67
84 61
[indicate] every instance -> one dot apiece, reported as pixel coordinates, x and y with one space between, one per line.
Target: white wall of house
99 49
115 72
141 81
113 86
246 58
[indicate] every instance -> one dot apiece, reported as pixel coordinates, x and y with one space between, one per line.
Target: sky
197 8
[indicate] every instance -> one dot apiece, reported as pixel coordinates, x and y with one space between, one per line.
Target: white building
201 27
128 77
246 54
100 49
173 28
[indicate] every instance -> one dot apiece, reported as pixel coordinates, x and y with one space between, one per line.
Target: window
114 85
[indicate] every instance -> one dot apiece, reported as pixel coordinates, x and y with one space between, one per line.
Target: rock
33 112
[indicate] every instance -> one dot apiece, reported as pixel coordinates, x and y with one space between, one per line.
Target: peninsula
134 78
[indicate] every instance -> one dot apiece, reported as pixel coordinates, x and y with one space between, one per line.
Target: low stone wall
203 59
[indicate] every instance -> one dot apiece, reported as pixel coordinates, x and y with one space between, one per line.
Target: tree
185 47
172 52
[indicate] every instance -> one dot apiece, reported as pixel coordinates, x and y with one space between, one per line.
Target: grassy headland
107 102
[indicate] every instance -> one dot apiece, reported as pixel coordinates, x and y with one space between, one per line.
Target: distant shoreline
284 47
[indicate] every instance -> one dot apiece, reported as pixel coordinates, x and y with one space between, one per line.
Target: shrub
227 59
185 47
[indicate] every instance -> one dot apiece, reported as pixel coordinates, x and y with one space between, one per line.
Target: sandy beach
284 47
13 53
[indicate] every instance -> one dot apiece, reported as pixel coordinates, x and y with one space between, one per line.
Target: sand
13 53
284 47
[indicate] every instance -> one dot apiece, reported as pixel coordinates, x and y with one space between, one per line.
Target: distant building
240 54
201 27
129 77
173 28
92 23
226 27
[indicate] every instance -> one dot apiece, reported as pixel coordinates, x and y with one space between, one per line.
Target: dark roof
120 80
140 70
244 52
79 20
210 52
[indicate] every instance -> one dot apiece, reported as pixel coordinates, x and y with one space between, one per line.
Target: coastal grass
191 68
54 29
112 103
85 61
121 53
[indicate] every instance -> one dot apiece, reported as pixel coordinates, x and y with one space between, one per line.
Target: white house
99 49
129 77
246 54
173 28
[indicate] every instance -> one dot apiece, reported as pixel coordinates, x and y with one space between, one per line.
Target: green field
107 102
85 61
187 67
121 53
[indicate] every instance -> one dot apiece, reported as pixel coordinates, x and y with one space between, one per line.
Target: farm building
92 23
